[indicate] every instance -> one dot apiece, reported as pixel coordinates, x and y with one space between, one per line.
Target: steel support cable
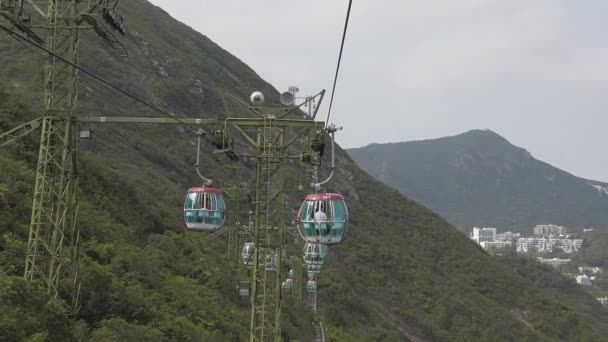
18 36
172 91
158 75
28 47
238 180
333 91
97 93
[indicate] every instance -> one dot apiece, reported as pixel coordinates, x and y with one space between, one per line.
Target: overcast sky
534 71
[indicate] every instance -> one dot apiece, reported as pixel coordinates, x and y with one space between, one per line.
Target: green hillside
403 273
479 179
594 251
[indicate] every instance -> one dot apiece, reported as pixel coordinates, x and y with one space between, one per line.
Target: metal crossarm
19 132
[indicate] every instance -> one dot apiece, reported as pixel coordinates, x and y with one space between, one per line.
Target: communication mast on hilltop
309 101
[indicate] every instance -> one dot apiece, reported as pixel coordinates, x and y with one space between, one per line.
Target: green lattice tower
233 202
271 145
294 247
52 249
266 283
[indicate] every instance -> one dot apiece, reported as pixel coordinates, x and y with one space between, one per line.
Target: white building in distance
480 235
548 230
583 280
507 236
488 238
591 269
547 245
555 262
494 244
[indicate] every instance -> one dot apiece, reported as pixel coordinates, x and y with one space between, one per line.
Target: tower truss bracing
52 250
269 226
274 142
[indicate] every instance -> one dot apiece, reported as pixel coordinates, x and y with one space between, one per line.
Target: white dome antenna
287 98
257 98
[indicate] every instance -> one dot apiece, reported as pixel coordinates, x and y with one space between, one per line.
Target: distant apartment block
483 235
555 262
549 230
494 244
590 269
507 236
547 245
488 238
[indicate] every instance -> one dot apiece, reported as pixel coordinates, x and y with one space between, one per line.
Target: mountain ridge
462 176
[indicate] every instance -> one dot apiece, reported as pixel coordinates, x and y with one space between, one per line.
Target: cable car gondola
204 209
323 218
315 253
287 284
247 253
271 262
311 286
313 270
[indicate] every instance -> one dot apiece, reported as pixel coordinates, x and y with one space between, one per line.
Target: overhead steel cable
333 91
18 36
158 75
97 93
28 47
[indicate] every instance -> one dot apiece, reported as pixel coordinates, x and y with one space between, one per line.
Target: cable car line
172 91
158 75
206 181
322 219
333 91
18 36
97 93
198 133
28 47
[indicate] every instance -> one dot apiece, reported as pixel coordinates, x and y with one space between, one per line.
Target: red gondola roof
205 190
324 196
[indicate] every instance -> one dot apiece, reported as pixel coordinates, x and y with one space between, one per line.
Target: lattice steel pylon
268 226
270 218
275 135
52 250
235 227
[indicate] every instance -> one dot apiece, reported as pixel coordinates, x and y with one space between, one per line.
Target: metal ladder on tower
266 278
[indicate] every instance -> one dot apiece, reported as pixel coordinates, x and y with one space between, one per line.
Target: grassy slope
403 272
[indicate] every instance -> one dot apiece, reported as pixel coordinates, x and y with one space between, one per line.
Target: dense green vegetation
594 251
403 273
479 179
